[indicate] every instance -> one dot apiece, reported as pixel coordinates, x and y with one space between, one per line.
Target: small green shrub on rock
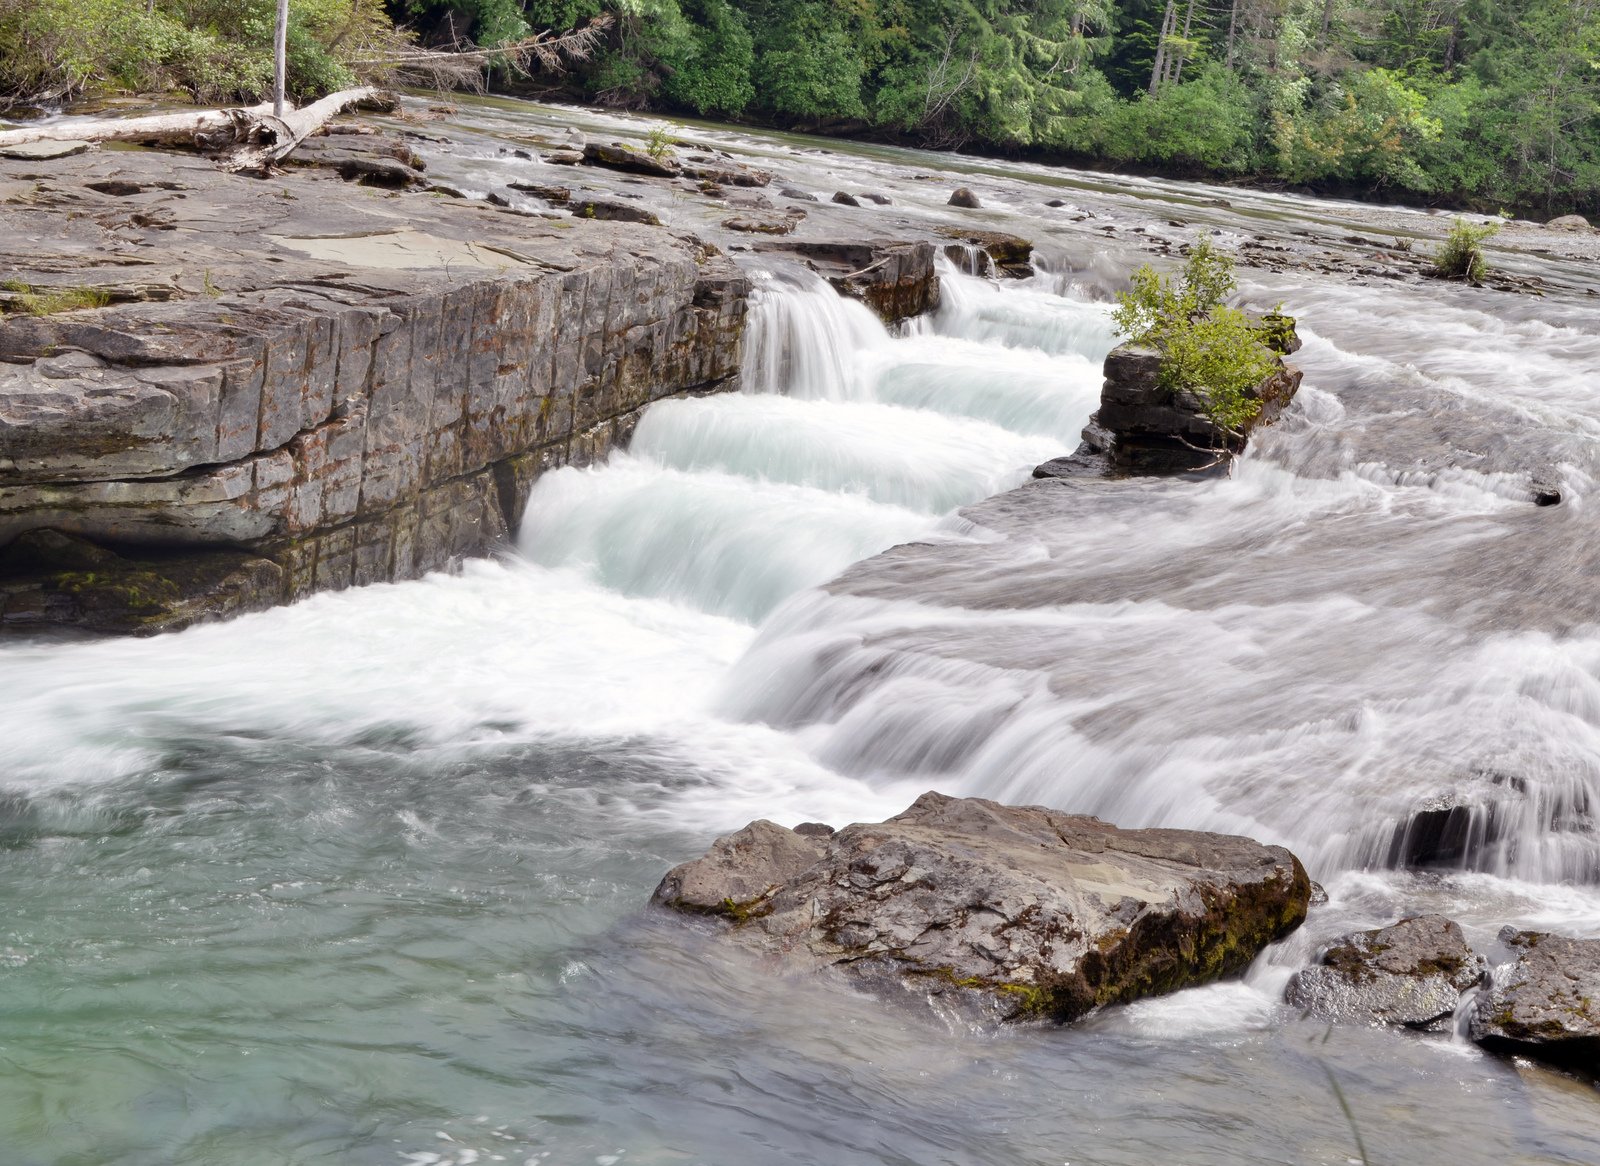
1461 256
1208 348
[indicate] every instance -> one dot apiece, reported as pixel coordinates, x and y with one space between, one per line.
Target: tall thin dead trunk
280 57
1183 47
1233 25
1158 71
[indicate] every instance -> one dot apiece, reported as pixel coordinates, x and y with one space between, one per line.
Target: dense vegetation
215 50
1487 103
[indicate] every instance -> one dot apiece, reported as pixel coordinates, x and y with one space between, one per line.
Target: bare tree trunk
1233 24
247 140
1327 19
1183 49
1158 70
280 57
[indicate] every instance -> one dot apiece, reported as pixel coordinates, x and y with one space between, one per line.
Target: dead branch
462 65
245 140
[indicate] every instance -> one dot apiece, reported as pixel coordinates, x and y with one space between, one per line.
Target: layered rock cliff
309 385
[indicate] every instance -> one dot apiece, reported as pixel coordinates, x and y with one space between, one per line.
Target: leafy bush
1461 256
1208 348
216 50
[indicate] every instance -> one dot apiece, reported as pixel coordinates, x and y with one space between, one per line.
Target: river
362 881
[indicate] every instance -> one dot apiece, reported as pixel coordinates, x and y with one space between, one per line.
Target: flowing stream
362 881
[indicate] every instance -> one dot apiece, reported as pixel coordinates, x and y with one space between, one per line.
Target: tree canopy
1490 104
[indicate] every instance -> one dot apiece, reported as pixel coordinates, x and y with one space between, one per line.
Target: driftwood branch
462 64
245 140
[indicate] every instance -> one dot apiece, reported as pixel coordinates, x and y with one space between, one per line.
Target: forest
1488 104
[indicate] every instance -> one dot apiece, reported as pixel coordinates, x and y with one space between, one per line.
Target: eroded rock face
347 389
1547 1003
1046 913
1410 974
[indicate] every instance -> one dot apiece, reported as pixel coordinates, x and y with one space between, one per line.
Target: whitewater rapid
360 880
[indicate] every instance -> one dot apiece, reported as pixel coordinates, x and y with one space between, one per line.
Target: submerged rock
1041 912
1412 973
1546 1004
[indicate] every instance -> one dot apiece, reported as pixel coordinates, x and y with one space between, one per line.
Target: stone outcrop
1041 912
1142 427
340 387
1546 1004
616 156
1412 974
989 253
896 280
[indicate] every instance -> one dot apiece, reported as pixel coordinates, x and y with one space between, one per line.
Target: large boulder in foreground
1546 1004
1410 974
1046 913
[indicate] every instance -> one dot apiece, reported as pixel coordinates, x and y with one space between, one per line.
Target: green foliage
1208 349
48 301
216 50
1480 103
1461 255
713 74
660 142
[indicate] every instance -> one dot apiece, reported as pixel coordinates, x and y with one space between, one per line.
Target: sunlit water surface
363 880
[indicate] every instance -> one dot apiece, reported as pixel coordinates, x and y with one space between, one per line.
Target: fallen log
247 141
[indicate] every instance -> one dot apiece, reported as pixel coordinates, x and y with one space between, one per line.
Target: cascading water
359 881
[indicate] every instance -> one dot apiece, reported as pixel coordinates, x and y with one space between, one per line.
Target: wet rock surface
1546 1004
989 252
347 384
896 280
1412 974
1037 911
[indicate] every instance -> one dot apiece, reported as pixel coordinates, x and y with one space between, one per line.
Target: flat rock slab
43 151
1410 974
1546 1004
1045 913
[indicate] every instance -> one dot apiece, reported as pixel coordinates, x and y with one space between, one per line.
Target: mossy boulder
1546 1004
1028 909
55 580
1411 974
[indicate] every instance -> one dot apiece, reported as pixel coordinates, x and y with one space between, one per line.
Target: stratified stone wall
351 424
